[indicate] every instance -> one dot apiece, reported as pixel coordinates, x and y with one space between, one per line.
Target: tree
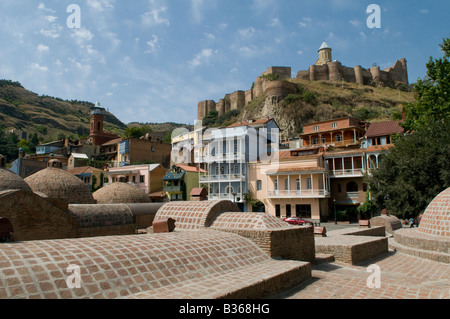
432 93
413 172
137 131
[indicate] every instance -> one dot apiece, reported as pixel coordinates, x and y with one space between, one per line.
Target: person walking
411 223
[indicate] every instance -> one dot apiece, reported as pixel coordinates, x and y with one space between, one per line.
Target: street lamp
334 204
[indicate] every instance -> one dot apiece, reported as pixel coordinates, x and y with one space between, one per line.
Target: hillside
52 117
47 116
319 101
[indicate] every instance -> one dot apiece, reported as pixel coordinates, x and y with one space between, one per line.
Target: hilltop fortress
273 81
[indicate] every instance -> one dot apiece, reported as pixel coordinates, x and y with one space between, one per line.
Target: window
288 210
338 138
315 141
276 184
334 125
286 184
339 187
297 184
352 187
258 185
141 179
316 128
308 183
277 210
303 211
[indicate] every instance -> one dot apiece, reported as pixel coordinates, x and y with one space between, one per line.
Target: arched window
98 126
229 190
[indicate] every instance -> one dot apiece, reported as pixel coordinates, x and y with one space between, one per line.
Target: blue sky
154 60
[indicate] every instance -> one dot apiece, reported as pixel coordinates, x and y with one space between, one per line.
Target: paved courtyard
402 277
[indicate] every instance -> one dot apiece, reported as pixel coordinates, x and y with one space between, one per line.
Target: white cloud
202 57
41 6
304 22
54 32
43 48
196 8
81 36
155 16
247 32
363 35
355 23
37 66
424 11
152 45
101 5
51 18
300 52
275 22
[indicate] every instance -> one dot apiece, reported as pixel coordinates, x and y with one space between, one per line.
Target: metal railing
299 193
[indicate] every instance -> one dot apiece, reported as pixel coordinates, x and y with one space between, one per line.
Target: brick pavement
402 277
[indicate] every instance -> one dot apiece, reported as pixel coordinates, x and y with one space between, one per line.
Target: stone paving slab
402 277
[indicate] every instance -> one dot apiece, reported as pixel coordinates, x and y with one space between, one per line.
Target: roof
199 191
295 170
79 155
384 128
250 122
324 46
121 193
83 170
114 141
190 168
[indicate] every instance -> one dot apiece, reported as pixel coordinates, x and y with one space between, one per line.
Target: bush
308 97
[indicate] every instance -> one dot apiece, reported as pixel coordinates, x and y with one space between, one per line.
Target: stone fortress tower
273 82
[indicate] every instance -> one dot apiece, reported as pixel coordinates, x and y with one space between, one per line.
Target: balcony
173 188
315 193
222 178
226 196
221 158
356 172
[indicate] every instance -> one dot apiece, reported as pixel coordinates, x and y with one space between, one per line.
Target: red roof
383 129
83 170
190 168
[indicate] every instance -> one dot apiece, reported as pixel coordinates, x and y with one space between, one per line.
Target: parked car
297 221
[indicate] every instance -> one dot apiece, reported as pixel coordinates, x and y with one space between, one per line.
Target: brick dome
436 218
10 180
121 193
58 184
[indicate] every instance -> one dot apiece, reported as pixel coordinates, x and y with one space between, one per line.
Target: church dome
10 180
436 218
121 193
56 183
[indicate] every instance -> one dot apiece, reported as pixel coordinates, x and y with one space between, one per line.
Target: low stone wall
353 245
391 223
422 245
275 237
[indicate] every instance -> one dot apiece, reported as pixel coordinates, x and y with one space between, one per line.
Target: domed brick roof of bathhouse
56 183
121 193
436 218
10 180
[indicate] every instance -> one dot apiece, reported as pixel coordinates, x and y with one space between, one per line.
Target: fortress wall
248 96
221 107
284 73
348 74
334 71
322 73
237 100
202 110
258 87
280 88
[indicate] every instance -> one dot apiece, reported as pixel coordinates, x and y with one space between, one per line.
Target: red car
297 221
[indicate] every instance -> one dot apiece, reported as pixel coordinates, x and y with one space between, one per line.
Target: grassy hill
48 116
320 101
52 117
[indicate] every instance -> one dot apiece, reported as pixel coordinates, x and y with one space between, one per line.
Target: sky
154 60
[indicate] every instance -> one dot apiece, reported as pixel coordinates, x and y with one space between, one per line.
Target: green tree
137 131
432 93
211 118
413 172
